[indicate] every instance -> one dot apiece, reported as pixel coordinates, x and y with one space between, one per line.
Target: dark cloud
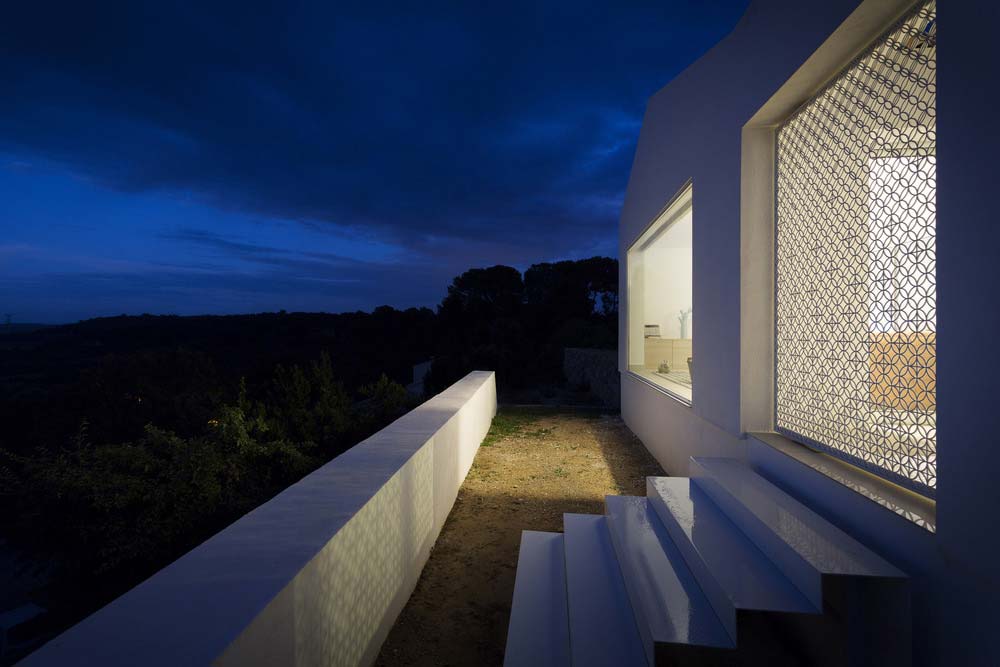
273 281
255 252
429 124
284 267
422 118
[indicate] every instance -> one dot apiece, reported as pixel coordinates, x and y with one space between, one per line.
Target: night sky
255 156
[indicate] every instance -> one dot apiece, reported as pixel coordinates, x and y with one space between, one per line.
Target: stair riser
602 625
672 612
538 633
713 591
642 623
801 573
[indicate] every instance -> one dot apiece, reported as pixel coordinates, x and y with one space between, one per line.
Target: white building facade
793 278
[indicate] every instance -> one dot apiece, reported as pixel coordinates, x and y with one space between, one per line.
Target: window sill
686 402
907 504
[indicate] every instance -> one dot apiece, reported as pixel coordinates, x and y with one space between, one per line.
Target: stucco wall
665 264
692 130
318 574
665 426
668 266
597 369
711 125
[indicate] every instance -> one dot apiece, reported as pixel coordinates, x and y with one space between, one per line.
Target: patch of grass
560 472
505 425
511 423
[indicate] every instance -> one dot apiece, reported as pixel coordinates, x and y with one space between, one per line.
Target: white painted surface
670 267
712 124
671 610
315 576
757 279
659 266
670 430
538 632
602 628
733 573
803 545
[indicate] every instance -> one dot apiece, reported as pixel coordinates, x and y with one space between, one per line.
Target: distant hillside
21 327
120 373
241 345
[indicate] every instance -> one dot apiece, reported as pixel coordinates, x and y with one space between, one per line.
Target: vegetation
102 515
518 326
130 440
511 423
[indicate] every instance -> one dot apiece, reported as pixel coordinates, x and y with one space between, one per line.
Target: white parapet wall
315 576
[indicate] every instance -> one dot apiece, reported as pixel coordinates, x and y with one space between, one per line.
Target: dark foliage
101 515
121 373
129 440
495 319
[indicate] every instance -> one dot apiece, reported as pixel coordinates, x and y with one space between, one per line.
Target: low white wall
315 576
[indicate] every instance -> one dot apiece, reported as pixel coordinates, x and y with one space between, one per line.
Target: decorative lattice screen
855 253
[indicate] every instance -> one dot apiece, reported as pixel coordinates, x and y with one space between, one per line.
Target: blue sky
247 157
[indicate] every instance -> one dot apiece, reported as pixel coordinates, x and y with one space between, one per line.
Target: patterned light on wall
855 260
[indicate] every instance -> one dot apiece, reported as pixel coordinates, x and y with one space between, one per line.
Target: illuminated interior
660 314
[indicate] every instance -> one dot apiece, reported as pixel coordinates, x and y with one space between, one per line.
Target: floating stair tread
744 573
821 544
602 626
538 633
665 595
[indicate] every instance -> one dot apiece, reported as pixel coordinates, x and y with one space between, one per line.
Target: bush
121 510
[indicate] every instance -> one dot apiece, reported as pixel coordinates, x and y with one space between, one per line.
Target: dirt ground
532 467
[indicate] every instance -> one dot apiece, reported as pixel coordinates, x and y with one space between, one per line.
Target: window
659 300
856 297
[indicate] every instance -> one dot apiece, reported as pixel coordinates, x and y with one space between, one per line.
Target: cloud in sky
416 138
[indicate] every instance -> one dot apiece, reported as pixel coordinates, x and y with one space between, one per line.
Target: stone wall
595 369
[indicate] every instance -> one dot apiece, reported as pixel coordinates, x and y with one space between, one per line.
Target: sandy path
532 467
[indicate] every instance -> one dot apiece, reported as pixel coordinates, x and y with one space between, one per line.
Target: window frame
685 192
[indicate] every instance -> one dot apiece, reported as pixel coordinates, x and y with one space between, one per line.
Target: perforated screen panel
856 296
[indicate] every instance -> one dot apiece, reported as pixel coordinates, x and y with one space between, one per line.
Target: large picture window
856 295
660 316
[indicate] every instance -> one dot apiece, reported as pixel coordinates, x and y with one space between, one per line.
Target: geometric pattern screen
855 254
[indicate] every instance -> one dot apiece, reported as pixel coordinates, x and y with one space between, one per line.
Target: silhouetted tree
492 319
484 293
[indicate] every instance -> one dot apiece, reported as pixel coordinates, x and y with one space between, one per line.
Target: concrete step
735 575
676 621
806 547
602 626
538 634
